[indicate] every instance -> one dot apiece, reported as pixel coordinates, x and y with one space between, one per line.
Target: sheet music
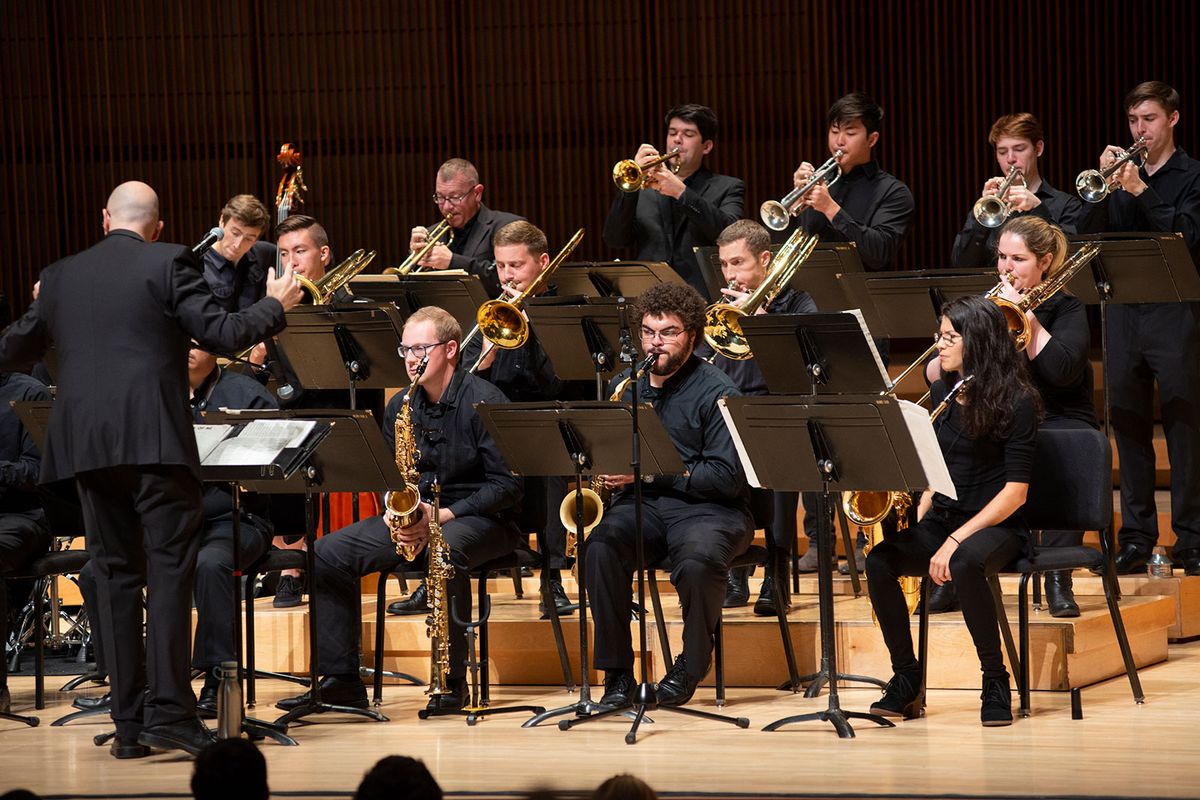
932 461
743 456
862 323
208 437
259 442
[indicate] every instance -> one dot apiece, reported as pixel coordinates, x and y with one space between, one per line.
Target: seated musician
24 532
212 388
458 194
236 267
987 437
682 193
480 502
744 249
523 374
701 520
1018 142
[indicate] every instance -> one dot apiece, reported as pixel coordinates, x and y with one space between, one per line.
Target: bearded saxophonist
480 500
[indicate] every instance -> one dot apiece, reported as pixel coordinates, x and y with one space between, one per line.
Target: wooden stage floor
1119 749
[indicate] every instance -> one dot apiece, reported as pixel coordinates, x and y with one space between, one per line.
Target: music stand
458 293
831 445
908 304
580 340
820 276
613 278
355 347
352 457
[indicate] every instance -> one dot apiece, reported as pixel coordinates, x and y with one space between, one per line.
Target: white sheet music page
921 429
743 456
259 442
862 323
208 437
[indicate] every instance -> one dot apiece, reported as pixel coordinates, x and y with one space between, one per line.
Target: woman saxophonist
987 437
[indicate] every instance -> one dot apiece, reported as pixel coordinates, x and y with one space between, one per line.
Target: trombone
501 321
992 209
432 239
321 291
1093 185
777 214
723 321
630 176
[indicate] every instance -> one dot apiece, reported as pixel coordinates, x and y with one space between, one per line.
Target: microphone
626 334
648 361
212 237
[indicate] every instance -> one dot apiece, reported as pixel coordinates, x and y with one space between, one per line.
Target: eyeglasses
453 199
418 350
949 338
663 335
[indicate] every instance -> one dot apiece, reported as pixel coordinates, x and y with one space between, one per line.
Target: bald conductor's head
133 206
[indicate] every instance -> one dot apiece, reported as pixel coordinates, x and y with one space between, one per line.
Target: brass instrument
501 321
406 503
437 625
630 176
432 239
1093 185
321 291
992 209
777 214
723 321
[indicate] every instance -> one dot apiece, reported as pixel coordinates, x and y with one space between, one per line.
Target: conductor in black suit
121 315
458 194
679 210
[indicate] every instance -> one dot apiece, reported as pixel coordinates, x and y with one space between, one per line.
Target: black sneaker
996 710
618 685
901 697
289 593
677 686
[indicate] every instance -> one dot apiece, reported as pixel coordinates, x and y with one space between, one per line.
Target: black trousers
908 553
701 539
143 525
1156 343
23 537
366 547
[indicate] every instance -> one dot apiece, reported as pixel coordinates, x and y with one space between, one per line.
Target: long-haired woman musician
987 437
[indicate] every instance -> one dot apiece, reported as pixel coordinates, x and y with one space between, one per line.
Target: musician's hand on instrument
1008 291
1129 179
258 354
1111 153
284 289
1021 199
991 186
438 258
489 355
616 481
417 239
645 154
939 565
818 199
667 182
736 296
802 174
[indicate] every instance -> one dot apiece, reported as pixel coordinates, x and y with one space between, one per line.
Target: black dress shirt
876 213
457 449
745 374
242 285
975 245
687 406
1062 371
1170 204
20 461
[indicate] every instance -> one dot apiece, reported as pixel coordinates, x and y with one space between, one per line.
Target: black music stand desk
581 340
908 304
457 292
612 278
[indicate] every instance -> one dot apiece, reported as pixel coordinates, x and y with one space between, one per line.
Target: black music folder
1137 268
612 278
455 291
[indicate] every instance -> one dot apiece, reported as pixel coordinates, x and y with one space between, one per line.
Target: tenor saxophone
437 624
405 504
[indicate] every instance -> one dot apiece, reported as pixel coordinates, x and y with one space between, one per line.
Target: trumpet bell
502 324
723 331
991 211
1092 185
774 215
593 510
627 175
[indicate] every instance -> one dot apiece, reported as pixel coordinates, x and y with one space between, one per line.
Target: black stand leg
79 680
315 705
833 714
378 673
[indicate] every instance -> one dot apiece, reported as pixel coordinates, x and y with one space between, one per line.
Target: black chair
1071 489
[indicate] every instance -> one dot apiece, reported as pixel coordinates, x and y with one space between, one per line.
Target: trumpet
630 176
501 322
992 209
723 321
777 214
1093 185
321 291
432 239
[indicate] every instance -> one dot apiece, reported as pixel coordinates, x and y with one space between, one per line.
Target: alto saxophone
405 504
437 624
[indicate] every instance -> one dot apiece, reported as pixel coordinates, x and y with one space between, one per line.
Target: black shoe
127 747
677 686
1060 597
457 696
737 587
415 603
996 710
1132 558
618 686
765 605
101 703
206 703
335 690
189 735
289 593
860 562
942 599
561 601
1190 559
902 697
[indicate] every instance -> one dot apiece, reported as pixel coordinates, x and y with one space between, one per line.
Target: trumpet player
685 205
1156 342
1018 142
867 205
480 501
458 196
744 249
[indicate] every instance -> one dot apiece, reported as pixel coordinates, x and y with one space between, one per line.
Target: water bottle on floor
1159 566
229 702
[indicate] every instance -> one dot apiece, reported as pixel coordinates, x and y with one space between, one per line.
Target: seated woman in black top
987 437
1029 251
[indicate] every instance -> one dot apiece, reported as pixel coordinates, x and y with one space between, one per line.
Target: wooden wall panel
543 96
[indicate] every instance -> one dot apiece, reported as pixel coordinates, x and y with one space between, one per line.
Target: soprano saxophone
437 624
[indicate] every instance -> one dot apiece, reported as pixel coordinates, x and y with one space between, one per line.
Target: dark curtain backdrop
544 96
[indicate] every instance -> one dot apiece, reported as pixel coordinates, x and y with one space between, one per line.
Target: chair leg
1023 632
1005 630
251 579
923 635
1036 578
380 616
1111 593
660 620
518 589
719 656
785 633
39 644
484 669
560 643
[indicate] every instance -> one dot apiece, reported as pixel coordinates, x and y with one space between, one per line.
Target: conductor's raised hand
285 288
